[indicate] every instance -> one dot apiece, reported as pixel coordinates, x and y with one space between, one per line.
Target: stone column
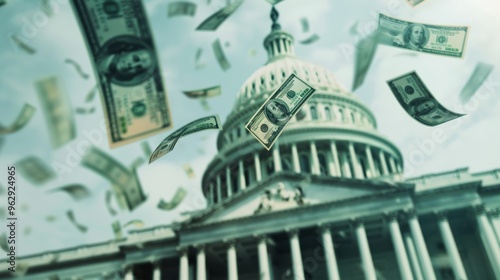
201 270
129 273
184 265
355 162
495 222
314 157
345 165
417 271
422 252
298 269
364 251
232 266
295 158
219 189
371 165
258 171
335 157
451 247
228 182
263 259
392 165
211 193
489 236
381 155
156 270
330 259
399 247
241 175
277 157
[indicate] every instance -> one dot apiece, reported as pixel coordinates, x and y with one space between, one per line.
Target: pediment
288 191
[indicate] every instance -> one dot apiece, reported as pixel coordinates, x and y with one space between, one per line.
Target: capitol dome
334 134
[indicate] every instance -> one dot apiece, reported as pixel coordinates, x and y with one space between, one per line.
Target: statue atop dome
274 18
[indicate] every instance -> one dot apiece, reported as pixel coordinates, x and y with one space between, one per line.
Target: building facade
327 202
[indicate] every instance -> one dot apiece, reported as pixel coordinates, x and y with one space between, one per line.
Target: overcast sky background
470 142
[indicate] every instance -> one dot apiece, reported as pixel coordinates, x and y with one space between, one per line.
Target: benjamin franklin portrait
277 112
422 106
415 36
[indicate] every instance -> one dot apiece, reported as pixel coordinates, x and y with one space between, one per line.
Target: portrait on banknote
126 60
422 106
277 112
415 36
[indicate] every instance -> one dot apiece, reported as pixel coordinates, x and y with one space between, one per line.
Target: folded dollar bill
436 39
35 170
219 54
127 68
365 51
418 101
117 230
310 40
214 21
176 200
71 217
22 119
305 25
76 191
267 124
181 8
108 203
414 3
481 72
168 144
206 92
136 222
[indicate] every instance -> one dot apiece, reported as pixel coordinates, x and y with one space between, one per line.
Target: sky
471 141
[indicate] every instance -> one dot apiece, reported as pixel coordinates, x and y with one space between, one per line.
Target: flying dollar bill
3 213
2 2
181 9
76 191
274 2
168 144
57 111
481 72
418 101
85 111
126 67
117 174
267 124
219 54
108 203
189 170
204 104
214 21
21 44
22 119
71 217
176 200
414 3
117 230
3 242
206 92
436 39
365 51
136 223
310 40
35 170
305 25
77 67
50 218
136 163
146 149
91 94
46 7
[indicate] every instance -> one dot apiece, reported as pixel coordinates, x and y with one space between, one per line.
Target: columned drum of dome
334 134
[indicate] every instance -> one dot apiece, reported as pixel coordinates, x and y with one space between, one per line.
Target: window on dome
314 113
272 77
238 132
261 81
353 117
322 164
341 114
283 74
305 165
328 114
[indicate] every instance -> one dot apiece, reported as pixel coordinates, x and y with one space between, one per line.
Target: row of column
340 164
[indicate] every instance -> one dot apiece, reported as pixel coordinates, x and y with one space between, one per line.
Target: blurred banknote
46 7
436 39
22 119
50 218
71 217
168 144
414 3
204 104
136 223
108 203
91 94
85 111
176 200
136 163
146 149
215 20
35 170
365 51
481 72
189 170
353 30
117 230
310 40
21 44
76 191
2 2
305 25
127 68
418 101
117 174
271 118
57 112
3 242
206 92
78 68
3 213
181 8
274 2
219 54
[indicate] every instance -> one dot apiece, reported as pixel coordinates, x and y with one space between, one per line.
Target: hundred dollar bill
108 203
215 20
76 191
270 120
71 217
310 40
126 67
418 101
168 144
35 170
57 111
122 178
176 200
181 9
219 54
481 72
22 119
365 51
436 39
206 92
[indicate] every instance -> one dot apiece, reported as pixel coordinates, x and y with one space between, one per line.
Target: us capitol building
327 202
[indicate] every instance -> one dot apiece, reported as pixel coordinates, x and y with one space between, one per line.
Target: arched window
234 180
328 114
322 164
314 113
305 164
353 117
286 163
341 114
